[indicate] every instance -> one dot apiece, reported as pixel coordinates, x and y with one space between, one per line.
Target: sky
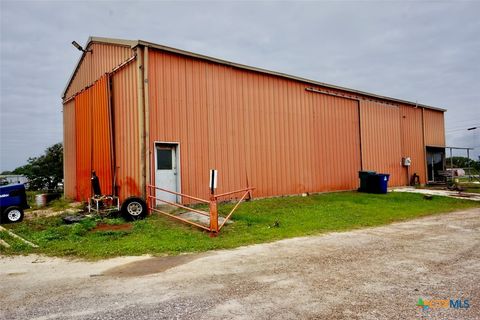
419 51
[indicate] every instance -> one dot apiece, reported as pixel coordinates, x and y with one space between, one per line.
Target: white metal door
166 171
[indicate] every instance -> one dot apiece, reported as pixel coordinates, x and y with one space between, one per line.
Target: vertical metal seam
141 119
147 116
360 134
424 146
113 159
90 107
64 152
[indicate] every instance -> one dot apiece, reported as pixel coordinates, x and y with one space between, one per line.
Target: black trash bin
363 175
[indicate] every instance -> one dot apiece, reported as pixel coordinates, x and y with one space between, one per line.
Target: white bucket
41 200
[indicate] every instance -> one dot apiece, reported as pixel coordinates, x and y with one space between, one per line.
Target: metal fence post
213 214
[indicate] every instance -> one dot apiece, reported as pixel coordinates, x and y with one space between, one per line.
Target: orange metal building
139 113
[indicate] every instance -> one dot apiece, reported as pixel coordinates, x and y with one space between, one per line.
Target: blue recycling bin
381 183
378 183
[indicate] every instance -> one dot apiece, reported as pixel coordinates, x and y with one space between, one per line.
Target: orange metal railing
246 191
152 201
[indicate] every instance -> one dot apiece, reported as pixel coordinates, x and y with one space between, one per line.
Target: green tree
463 162
46 171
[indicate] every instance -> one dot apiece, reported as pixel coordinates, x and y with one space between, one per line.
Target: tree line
44 172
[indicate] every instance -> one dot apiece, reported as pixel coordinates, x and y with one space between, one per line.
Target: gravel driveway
374 273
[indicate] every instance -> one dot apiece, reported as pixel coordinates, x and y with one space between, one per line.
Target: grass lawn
255 222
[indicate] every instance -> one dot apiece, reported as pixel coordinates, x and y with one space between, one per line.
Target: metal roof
135 43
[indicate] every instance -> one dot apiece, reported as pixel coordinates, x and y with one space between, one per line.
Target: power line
463 125
469 128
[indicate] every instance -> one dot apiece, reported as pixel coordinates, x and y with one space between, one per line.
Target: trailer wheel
134 208
13 214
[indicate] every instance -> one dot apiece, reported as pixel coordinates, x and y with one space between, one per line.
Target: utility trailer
132 208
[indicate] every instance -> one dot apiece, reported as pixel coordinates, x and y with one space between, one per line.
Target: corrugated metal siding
83 143
434 128
338 148
126 131
102 155
104 58
412 140
381 140
93 139
257 130
69 150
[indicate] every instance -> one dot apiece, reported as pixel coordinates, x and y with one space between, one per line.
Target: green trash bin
363 175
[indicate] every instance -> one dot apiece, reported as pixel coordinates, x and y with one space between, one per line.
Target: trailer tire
12 214
134 208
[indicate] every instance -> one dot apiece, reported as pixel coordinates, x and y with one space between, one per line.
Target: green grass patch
255 222
59 204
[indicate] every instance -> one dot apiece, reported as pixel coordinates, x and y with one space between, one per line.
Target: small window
164 159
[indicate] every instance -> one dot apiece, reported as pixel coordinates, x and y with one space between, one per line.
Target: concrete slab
196 217
445 193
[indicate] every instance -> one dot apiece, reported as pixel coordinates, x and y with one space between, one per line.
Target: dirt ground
376 273
74 207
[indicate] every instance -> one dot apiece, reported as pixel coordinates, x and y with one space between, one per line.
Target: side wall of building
264 131
258 130
87 131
